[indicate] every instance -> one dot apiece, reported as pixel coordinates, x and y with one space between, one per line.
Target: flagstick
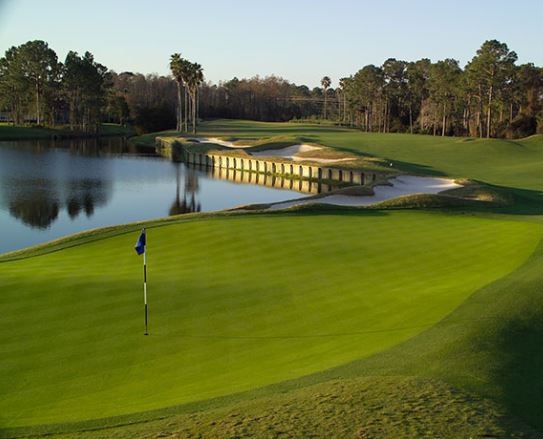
145 288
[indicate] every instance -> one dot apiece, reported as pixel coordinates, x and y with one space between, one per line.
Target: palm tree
343 86
325 82
194 78
176 67
186 68
189 76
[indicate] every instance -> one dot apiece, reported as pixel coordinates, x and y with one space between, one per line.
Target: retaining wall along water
265 166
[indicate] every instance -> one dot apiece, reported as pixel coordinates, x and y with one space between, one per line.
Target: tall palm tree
176 67
186 68
198 80
343 86
189 76
325 82
195 77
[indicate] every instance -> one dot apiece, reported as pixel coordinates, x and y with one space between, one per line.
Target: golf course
419 317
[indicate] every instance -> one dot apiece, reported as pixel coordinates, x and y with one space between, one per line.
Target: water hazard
53 188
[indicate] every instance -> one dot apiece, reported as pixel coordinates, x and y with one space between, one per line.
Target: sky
299 40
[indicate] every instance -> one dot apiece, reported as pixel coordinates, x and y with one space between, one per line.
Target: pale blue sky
300 40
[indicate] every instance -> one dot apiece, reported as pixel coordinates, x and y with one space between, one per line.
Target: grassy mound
236 303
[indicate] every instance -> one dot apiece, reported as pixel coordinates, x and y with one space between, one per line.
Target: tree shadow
519 373
417 169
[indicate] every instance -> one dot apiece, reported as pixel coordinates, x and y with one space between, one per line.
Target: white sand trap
290 153
319 160
402 185
287 152
221 142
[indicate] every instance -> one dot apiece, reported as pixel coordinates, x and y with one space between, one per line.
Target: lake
53 188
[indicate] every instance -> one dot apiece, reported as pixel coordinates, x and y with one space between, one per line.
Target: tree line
492 96
35 85
163 98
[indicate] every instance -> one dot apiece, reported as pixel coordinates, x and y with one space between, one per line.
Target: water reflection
41 178
37 201
304 186
52 188
190 189
89 147
84 195
35 208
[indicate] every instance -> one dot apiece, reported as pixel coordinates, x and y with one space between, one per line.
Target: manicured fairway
235 303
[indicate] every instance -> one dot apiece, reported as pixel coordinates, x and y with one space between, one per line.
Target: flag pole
145 284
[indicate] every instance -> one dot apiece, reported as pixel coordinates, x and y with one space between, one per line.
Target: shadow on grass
526 202
417 169
519 375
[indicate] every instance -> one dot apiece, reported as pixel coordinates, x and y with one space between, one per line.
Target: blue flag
140 245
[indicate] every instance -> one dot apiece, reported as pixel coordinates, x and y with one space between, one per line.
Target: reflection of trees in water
90 147
189 203
85 195
35 210
37 180
37 203
35 189
95 147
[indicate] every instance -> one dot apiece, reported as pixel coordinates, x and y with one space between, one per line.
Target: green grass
18 132
72 336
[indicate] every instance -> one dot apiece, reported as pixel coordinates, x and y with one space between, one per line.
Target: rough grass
375 407
313 297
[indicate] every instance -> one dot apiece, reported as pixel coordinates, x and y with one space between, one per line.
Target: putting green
235 303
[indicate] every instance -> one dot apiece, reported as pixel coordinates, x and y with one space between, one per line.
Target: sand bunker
290 153
287 152
320 160
221 142
402 185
